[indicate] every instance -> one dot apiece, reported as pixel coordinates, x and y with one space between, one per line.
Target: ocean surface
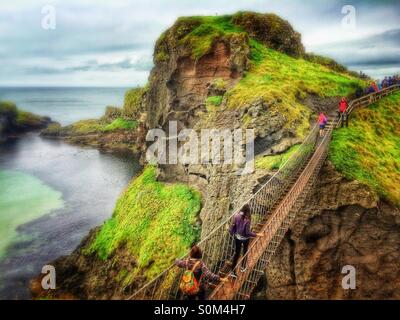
65 105
53 193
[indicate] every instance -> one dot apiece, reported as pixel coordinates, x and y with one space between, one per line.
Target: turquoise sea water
24 198
53 193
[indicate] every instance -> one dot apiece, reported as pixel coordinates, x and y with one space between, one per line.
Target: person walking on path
342 114
240 230
196 273
322 121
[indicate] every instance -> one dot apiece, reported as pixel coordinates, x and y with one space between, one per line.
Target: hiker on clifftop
196 273
322 121
342 113
240 230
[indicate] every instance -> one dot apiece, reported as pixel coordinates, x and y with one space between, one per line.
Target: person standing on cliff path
342 114
322 121
240 230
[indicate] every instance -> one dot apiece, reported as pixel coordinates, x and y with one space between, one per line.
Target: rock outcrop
179 82
84 277
14 122
271 30
343 223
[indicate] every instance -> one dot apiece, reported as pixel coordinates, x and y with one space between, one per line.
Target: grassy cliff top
280 73
284 82
369 150
199 33
156 221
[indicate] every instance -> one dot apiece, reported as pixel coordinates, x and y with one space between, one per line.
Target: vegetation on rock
281 82
270 30
13 120
156 221
214 100
133 103
121 124
275 162
199 33
369 149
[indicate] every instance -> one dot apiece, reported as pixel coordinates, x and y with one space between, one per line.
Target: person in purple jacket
240 230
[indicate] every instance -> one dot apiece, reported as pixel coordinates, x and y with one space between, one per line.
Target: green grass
275 162
86 127
28 119
369 150
219 84
121 124
92 126
133 102
214 100
282 82
207 29
9 108
156 221
21 119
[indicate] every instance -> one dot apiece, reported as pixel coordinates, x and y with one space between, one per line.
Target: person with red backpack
342 113
192 283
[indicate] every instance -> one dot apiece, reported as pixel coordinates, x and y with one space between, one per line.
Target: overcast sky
110 43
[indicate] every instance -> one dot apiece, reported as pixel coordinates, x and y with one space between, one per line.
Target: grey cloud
91 65
140 65
102 30
377 50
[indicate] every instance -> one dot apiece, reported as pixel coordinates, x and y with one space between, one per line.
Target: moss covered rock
134 103
272 31
14 121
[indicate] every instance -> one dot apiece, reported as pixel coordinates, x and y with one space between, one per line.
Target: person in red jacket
342 114
375 86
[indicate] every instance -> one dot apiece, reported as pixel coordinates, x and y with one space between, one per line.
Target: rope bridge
273 208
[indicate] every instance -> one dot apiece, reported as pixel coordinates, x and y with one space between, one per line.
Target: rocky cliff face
200 58
180 83
343 223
